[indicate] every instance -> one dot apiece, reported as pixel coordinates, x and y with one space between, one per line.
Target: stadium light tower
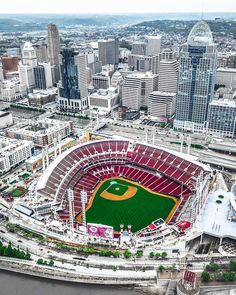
153 135
181 142
146 135
70 196
83 195
189 144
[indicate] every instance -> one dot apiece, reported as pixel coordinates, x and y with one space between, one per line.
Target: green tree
157 255
127 254
173 267
163 254
51 262
212 267
5 251
116 254
139 253
151 254
40 261
205 276
232 265
161 268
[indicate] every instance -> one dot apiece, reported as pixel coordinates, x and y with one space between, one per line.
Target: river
18 284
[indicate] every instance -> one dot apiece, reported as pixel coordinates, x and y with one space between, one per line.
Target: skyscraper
1 73
43 76
29 56
196 78
28 62
108 51
140 63
161 105
139 48
73 86
168 74
222 117
41 52
153 45
137 88
54 47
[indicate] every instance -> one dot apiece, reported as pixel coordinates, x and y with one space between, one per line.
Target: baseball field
119 201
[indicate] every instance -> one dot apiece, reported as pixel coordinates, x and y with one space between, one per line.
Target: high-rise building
168 75
155 64
43 76
117 82
137 88
168 54
222 118
41 52
26 75
101 81
161 105
1 73
108 51
153 45
104 99
54 47
29 57
73 86
28 62
139 48
95 67
9 64
226 77
140 63
196 79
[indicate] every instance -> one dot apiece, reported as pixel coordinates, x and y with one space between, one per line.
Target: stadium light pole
84 199
181 142
70 196
189 144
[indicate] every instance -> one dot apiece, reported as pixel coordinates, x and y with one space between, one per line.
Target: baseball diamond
118 201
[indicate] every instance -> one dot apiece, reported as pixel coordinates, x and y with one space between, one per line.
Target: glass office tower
196 79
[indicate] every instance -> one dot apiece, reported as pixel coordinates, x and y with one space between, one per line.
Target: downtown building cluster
182 87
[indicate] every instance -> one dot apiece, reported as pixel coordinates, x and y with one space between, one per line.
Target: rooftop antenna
203 7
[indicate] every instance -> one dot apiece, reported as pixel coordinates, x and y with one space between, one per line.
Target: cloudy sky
115 6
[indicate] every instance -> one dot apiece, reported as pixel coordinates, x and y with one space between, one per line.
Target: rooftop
224 102
200 34
28 46
227 70
7 145
140 75
167 94
218 224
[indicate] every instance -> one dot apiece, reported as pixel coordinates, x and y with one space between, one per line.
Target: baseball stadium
126 183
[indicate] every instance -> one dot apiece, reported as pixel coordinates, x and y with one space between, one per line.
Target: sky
115 6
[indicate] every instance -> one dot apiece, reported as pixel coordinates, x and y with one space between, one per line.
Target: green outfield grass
139 210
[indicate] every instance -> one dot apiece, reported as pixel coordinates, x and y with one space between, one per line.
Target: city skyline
109 7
